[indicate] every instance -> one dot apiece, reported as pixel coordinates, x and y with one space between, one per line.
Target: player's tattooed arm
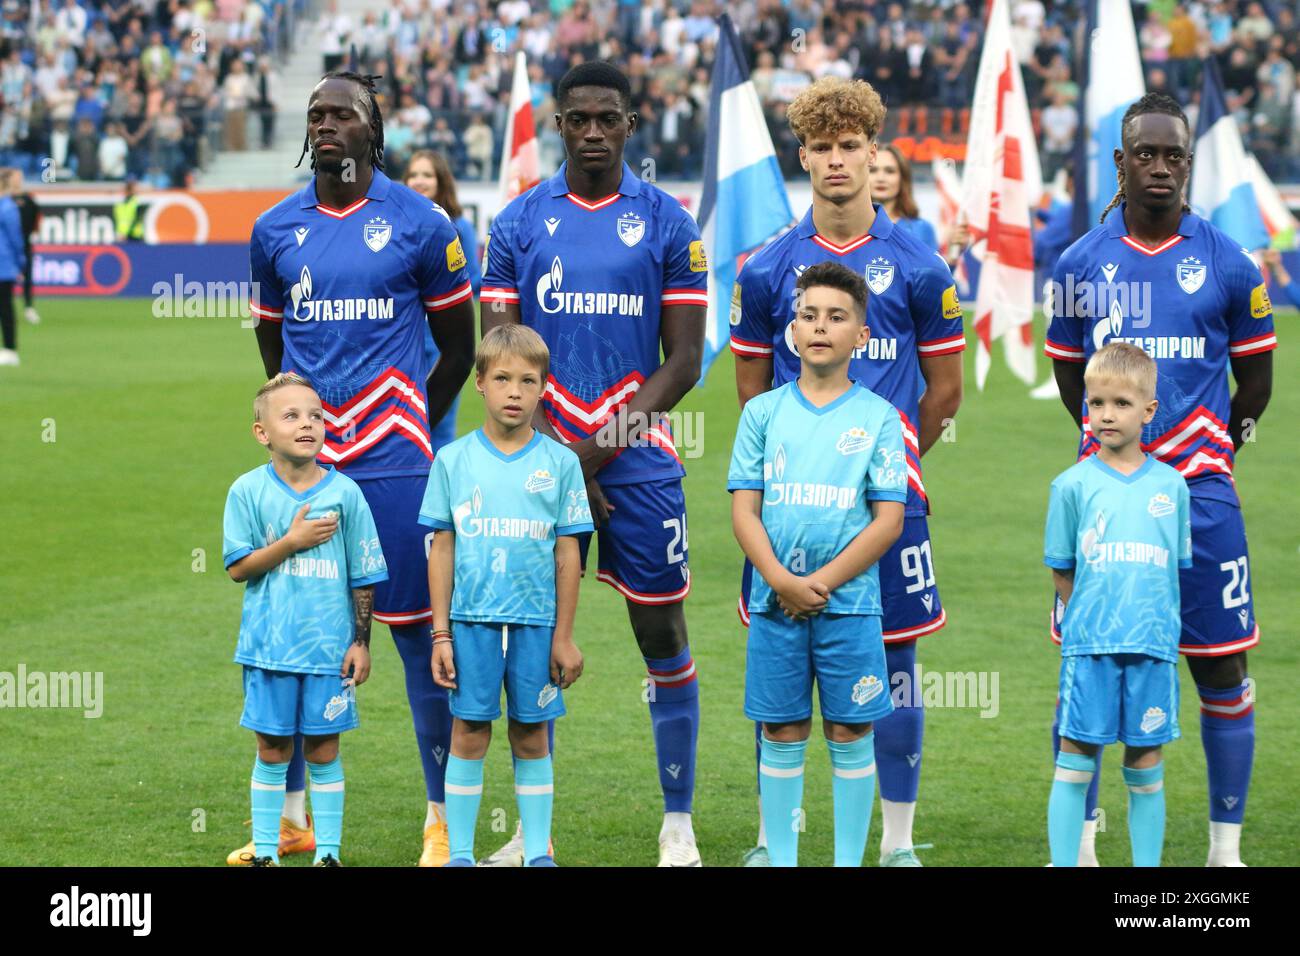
1254 377
1069 382
363 607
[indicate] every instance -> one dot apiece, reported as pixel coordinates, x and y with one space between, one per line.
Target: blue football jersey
353 288
592 279
819 469
298 616
506 512
1192 304
1126 537
921 229
912 311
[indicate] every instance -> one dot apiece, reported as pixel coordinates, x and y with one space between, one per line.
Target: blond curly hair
832 105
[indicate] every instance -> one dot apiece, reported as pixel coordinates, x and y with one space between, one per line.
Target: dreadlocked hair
1149 103
370 90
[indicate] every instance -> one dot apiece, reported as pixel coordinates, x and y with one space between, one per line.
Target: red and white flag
949 186
520 166
1002 182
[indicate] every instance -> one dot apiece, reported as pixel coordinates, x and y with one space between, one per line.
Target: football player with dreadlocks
1160 277
346 273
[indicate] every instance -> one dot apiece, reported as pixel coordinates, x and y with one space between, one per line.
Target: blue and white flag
1221 175
744 201
1113 81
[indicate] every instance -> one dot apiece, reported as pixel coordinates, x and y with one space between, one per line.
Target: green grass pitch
151 424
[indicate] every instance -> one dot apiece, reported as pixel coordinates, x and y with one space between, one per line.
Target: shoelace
918 846
679 848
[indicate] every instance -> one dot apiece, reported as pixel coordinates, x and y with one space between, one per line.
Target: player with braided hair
1160 277
347 275
365 101
1150 103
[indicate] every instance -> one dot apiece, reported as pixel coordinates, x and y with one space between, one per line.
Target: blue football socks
268 804
853 766
327 806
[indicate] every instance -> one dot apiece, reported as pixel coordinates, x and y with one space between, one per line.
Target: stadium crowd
140 88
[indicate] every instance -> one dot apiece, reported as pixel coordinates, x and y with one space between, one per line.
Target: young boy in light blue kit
505 503
1118 530
303 538
819 481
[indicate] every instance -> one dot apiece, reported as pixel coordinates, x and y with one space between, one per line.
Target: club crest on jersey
338 704
377 232
867 689
880 275
854 441
630 229
540 480
1152 720
1160 505
1191 274
547 695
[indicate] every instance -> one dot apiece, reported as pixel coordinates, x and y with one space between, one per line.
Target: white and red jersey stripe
390 405
1234 708
1067 353
945 346
913 449
676 677
1254 345
1198 444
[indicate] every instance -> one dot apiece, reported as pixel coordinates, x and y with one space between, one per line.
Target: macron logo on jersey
307 309
552 299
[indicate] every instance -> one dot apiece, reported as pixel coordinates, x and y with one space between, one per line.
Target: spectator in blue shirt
1281 278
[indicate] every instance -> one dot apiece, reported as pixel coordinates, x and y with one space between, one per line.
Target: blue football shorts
643 552
844 653
1128 697
518 656
281 704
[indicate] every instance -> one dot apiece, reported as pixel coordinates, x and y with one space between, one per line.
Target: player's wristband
442 640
